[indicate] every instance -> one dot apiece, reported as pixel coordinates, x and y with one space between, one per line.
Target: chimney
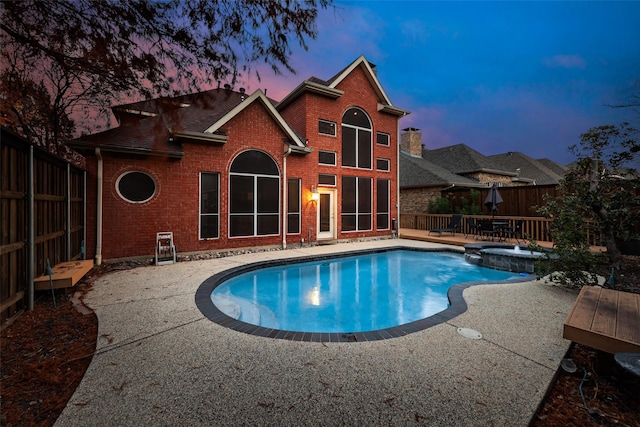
411 141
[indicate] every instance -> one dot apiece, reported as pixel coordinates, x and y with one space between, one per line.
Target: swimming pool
345 297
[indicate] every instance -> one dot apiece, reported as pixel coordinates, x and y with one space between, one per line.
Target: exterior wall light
315 195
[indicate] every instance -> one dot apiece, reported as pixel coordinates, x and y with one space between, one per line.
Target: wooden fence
42 204
516 201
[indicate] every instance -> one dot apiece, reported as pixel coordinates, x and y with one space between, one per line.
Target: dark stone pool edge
457 303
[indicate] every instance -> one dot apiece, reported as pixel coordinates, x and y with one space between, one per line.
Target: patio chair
472 227
486 229
455 224
516 231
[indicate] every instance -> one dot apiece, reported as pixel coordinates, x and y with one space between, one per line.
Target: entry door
326 216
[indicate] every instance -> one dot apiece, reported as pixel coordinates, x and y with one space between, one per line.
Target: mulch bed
46 352
607 398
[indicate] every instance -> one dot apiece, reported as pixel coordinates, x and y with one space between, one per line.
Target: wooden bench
65 275
605 319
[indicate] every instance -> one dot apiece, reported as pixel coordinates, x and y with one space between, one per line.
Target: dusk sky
496 76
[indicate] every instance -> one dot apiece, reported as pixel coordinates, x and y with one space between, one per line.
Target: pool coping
456 300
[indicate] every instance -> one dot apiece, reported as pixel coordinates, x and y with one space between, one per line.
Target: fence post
68 231
31 256
84 216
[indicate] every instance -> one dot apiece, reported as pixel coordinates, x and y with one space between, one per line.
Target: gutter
99 208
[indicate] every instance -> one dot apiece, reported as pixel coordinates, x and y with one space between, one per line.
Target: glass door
326 216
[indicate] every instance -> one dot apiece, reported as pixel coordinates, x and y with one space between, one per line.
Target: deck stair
605 319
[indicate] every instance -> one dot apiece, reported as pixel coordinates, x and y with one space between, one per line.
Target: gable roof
418 172
462 159
329 88
371 76
259 96
555 167
528 167
160 124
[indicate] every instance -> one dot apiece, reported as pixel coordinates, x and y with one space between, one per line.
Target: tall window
209 205
382 204
356 139
356 203
254 195
293 206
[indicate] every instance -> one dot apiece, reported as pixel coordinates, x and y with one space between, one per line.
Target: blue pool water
350 294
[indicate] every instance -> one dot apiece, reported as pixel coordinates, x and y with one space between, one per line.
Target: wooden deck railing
533 227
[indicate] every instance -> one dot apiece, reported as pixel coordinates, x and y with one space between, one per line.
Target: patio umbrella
493 199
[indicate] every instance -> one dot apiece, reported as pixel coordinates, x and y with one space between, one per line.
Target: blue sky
497 76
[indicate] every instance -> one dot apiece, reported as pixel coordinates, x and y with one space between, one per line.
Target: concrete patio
159 361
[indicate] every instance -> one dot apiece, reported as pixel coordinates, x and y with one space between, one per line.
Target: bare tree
86 53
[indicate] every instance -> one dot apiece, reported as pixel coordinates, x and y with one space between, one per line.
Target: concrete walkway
159 361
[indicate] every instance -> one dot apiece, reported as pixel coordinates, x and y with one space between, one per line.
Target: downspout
99 209
284 197
397 232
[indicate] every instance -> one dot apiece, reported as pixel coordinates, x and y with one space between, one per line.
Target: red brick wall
358 92
129 228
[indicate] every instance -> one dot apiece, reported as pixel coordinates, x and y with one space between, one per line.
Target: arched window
254 195
136 187
356 139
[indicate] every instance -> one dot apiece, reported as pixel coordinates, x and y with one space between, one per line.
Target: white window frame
200 214
388 164
137 202
335 158
388 212
255 206
388 138
357 128
335 128
335 180
299 213
357 202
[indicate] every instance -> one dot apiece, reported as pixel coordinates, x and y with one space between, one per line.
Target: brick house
427 174
223 169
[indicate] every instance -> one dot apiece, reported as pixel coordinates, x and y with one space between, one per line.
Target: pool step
249 312
245 310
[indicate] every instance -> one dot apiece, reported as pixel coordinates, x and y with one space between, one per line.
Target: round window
136 187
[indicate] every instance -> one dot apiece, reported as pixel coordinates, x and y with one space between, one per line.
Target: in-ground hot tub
507 257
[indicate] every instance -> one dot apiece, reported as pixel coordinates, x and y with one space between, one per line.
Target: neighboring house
557 168
223 169
422 181
465 161
424 174
545 172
